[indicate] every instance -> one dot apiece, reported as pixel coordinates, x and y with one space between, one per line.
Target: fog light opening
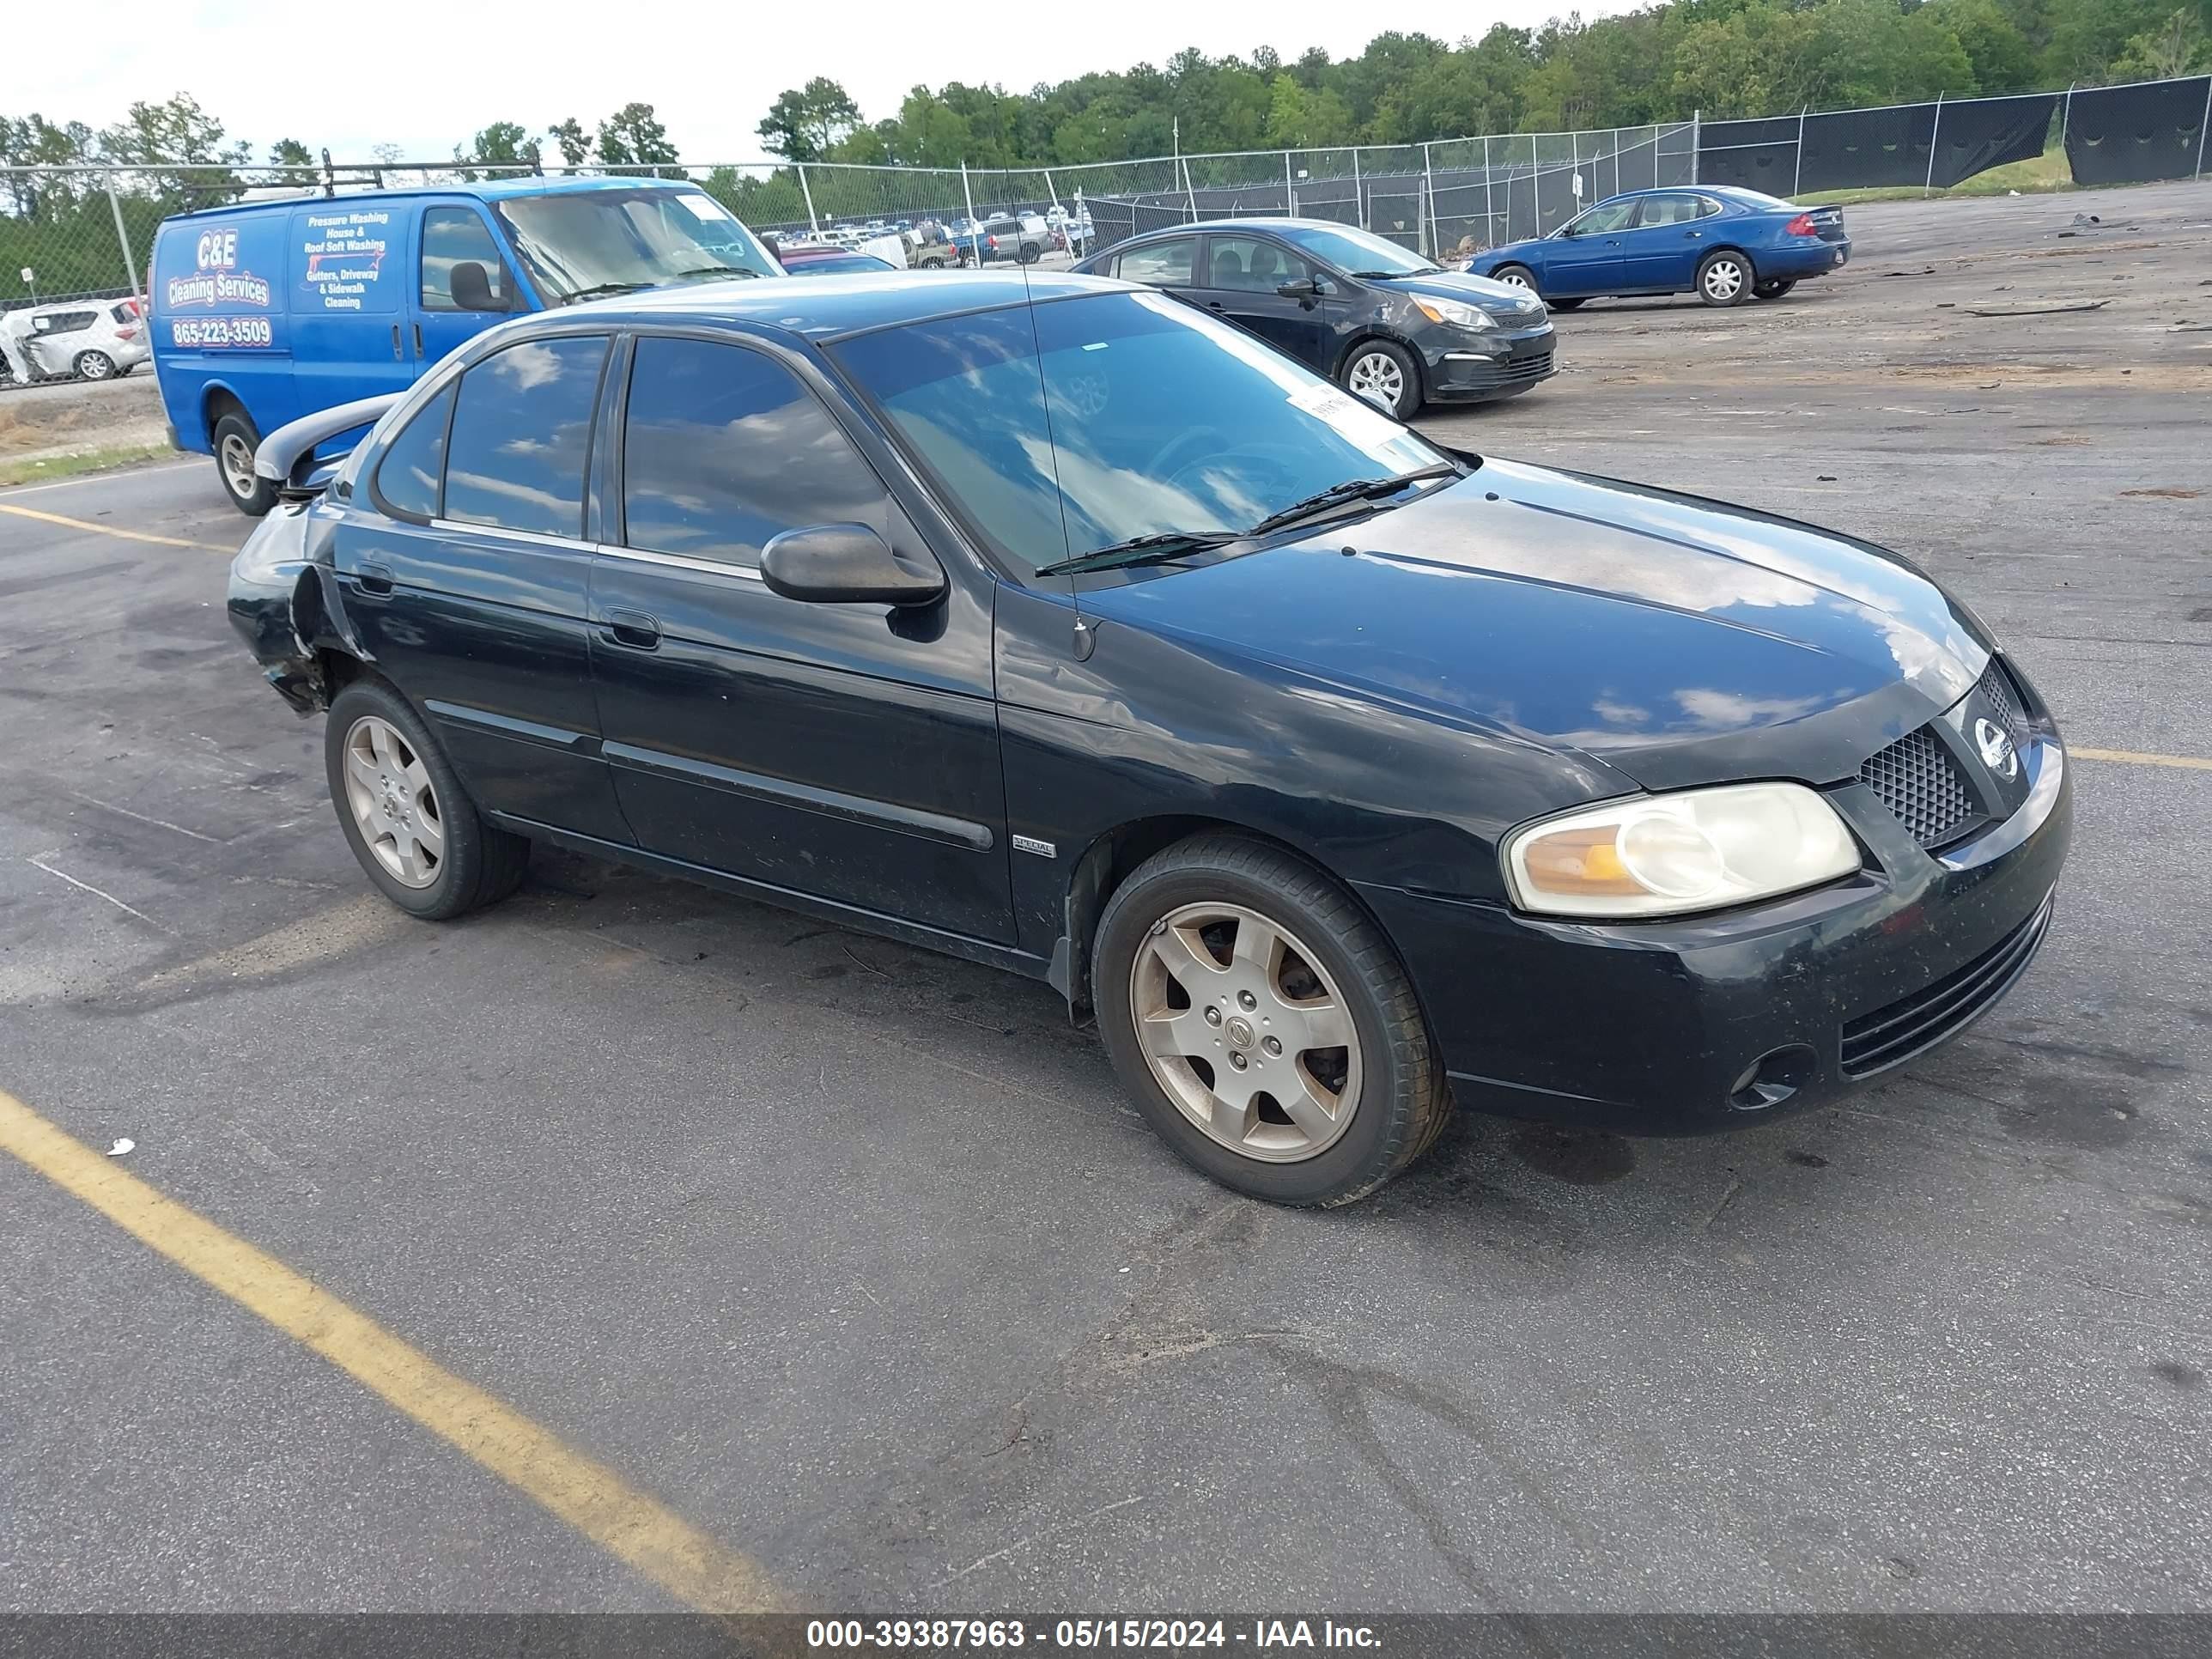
1772 1078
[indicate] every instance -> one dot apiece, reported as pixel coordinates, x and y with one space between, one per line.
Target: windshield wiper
600 290
1158 549
1419 271
717 270
1354 489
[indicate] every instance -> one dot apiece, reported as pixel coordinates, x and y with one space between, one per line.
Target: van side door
448 234
347 300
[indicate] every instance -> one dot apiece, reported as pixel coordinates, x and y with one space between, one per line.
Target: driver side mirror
1304 289
471 287
847 564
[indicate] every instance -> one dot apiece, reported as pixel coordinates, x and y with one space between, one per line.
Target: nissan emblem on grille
1997 750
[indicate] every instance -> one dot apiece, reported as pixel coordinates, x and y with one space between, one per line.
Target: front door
453 234
1238 280
1584 256
845 751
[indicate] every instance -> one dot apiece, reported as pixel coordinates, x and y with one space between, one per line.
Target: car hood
1500 299
1678 640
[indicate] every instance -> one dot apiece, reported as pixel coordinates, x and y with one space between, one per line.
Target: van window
450 236
579 243
724 449
522 434
414 462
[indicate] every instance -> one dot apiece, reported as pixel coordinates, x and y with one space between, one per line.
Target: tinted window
1247 263
723 449
1163 264
1161 419
521 431
414 462
1676 209
451 235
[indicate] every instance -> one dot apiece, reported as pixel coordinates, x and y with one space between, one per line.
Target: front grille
1917 780
1534 366
1912 1024
1996 691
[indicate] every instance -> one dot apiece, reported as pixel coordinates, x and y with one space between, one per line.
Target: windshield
581 242
1078 425
1357 253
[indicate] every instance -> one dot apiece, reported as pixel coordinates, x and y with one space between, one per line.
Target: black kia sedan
1383 322
1061 626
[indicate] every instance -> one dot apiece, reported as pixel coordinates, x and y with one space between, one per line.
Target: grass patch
2039 175
108 458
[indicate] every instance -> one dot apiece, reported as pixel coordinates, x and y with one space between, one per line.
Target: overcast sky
427 76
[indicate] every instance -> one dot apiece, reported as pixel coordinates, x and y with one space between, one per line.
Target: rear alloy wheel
1774 289
1724 278
1385 375
404 813
1264 1025
236 440
95 366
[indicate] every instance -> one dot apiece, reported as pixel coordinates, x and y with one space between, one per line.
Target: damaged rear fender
286 603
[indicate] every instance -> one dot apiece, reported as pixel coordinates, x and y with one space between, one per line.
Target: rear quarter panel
218 319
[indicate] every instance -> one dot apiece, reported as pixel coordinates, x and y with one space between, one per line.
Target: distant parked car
1723 244
1023 240
1381 321
89 339
815 261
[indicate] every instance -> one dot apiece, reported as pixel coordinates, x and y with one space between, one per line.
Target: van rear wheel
236 440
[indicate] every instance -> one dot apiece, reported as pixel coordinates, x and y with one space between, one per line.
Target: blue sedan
1717 242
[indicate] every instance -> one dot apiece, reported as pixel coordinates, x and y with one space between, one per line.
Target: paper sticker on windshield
1353 417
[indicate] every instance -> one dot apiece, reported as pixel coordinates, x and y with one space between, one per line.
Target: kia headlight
1664 855
1457 312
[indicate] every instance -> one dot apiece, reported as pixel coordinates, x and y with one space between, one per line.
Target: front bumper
1719 1022
1468 365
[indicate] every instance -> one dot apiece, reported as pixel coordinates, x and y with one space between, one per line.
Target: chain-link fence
73 233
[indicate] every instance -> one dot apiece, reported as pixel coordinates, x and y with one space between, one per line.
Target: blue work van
264 311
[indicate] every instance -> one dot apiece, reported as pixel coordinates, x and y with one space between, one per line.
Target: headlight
1663 855
1453 312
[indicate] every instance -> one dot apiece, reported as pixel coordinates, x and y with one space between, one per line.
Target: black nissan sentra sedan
1063 627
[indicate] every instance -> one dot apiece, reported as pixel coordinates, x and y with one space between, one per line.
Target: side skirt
989 954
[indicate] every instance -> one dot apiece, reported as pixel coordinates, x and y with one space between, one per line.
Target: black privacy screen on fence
1755 155
2131 135
1982 133
1856 148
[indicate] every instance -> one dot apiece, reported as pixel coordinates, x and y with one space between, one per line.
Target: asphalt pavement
854 1259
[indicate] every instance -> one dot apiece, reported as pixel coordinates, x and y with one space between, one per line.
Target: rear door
846 751
468 585
1237 276
447 234
1671 234
1584 257
1170 263
350 265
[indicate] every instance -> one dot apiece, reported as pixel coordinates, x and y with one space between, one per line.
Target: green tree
806 123
2176 47
632 138
289 153
569 139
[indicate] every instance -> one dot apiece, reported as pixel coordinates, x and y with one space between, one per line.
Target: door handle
633 628
1694 235
1214 305
399 356
375 578
418 339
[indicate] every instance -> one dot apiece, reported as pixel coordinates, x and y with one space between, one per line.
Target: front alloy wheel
95 366
1244 1034
1385 375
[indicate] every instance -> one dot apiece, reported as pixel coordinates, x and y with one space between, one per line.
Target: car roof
488 190
1736 193
830 306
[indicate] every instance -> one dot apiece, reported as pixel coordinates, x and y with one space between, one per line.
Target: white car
91 339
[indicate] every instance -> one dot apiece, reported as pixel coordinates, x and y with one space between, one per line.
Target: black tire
1521 274
235 428
1030 253
1725 278
1407 401
1564 305
481 864
95 366
1773 289
1403 1102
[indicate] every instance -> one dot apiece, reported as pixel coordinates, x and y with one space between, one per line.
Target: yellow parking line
590 1496
111 529
2132 757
